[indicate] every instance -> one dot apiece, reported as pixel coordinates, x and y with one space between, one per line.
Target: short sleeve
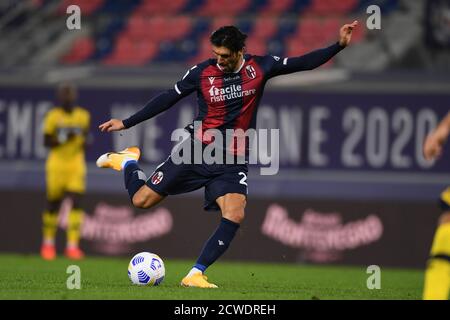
87 121
49 125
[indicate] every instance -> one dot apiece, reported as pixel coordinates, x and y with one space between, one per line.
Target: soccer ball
146 269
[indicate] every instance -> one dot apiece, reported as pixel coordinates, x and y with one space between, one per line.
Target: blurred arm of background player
434 142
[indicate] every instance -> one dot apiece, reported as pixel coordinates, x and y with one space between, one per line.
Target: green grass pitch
29 277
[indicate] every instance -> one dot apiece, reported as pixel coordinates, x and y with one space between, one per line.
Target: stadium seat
119 8
318 31
204 51
386 5
87 7
321 7
128 51
213 8
277 7
295 47
221 21
256 46
179 30
264 27
158 28
160 7
81 50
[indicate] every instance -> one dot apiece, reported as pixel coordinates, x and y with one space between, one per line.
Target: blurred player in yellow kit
437 275
66 127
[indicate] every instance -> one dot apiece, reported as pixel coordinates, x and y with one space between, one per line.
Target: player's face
67 96
227 59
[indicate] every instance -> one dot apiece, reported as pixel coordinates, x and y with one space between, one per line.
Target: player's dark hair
66 86
229 37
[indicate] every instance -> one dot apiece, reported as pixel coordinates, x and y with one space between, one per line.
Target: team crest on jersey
157 177
251 72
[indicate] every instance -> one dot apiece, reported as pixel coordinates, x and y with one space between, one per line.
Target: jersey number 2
244 178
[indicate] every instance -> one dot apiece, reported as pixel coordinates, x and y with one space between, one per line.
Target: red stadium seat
220 22
264 27
82 49
295 47
159 7
128 51
277 6
318 31
158 28
204 51
223 7
256 46
331 6
87 7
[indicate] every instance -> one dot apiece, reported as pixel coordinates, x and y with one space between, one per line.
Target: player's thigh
55 185
232 181
146 197
168 179
76 179
232 206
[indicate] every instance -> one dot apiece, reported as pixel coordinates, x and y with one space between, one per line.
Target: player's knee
140 201
144 200
77 200
235 214
54 205
444 218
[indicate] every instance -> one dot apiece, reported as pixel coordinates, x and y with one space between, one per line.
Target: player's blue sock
134 177
217 244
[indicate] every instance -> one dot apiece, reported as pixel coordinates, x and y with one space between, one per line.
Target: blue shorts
218 179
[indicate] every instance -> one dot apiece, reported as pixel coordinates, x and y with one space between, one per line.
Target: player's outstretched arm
155 106
314 58
432 148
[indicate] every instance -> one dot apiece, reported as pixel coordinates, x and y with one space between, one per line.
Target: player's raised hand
112 125
432 148
345 33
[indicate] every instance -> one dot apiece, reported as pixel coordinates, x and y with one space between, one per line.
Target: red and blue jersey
229 100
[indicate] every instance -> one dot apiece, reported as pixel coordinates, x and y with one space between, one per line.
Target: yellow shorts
65 178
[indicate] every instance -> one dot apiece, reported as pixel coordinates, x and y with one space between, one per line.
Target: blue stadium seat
119 7
300 5
193 5
105 38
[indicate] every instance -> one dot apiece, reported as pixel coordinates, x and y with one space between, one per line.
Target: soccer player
66 127
437 275
229 89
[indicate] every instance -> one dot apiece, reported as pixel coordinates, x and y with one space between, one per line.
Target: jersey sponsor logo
236 77
251 72
157 177
230 92
211 80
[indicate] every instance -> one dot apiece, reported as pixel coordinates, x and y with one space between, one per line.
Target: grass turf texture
29 277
